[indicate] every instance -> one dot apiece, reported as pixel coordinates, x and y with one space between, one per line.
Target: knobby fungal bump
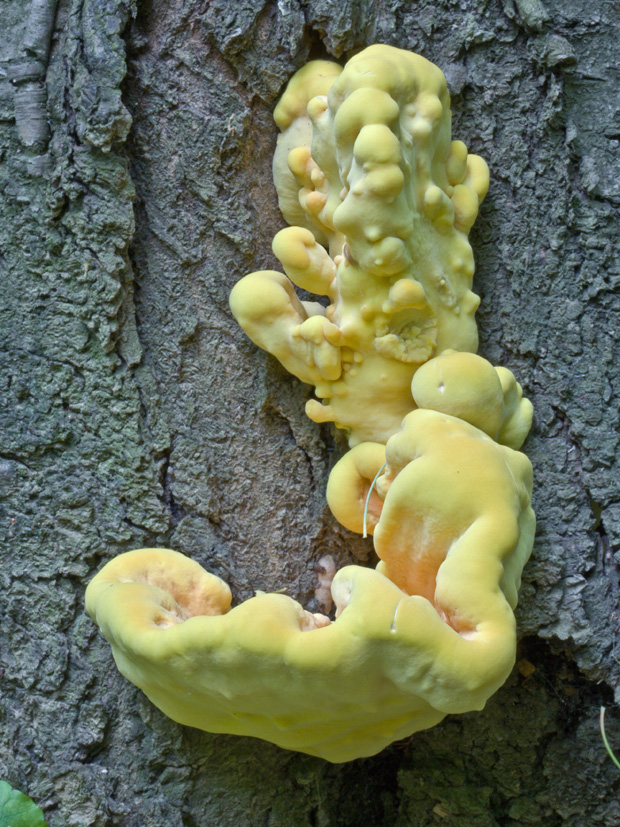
380 200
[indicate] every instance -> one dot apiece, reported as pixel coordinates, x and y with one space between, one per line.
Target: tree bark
135 151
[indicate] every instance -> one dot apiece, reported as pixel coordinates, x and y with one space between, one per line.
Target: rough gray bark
134 412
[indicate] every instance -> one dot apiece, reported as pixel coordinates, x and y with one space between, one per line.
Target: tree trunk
136 413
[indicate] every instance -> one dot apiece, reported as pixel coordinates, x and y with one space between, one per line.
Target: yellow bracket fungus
381 201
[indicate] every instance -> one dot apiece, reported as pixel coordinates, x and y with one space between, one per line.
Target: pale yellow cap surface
382 200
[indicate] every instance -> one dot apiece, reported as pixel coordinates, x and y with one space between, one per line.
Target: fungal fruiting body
381 201
430 632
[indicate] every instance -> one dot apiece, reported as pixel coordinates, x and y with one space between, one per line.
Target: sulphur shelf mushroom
430 632
382 201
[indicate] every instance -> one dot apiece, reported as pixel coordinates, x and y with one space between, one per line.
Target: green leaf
17 810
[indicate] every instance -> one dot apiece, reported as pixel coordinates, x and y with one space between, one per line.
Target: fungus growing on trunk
381 201
430 632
